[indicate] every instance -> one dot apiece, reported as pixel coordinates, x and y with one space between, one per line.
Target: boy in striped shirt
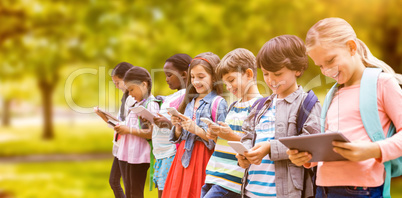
238 71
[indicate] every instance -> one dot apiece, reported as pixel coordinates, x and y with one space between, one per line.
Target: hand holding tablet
207 121
173 112
238 147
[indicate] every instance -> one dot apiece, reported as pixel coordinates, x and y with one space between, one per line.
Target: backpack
215 106
304 111
371 120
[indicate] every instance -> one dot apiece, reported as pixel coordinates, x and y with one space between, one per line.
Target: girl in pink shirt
134 150
334 47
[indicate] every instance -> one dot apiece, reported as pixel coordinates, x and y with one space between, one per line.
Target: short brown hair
239 59
283 51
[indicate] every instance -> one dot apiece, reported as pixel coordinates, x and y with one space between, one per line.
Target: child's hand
211 135
162 122
145 124
122 129
188 124
176 121
258 152
96 110
221 130
243 162
357 151
299 158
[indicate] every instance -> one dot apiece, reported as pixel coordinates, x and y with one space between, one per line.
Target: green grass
68 139
59 179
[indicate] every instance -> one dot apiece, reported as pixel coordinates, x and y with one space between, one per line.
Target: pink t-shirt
344 116
134 149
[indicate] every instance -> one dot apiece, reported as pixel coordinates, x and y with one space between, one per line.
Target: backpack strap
232 105
368 104
259 103
325 106
215 106
305 109
371 120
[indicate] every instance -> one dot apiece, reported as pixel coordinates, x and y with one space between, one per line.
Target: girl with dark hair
134 151
187 173
117 76
175 69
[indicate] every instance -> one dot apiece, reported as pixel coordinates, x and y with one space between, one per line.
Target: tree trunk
46 89
6 112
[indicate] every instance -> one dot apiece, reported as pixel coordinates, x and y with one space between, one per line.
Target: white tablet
238 147
144 113
319 145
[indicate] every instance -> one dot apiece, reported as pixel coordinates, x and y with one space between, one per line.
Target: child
187 174
134 150
282 60
238 71
175 70
117 76
334 47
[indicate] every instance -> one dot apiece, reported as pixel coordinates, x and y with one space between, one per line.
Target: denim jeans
134 176
114 179
349 191
215 191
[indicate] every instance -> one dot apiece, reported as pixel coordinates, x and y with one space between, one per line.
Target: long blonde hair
335 32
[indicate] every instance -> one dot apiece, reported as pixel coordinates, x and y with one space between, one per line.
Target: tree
12 27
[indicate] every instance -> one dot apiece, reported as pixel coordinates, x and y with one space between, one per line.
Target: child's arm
162 122
224 131
191 127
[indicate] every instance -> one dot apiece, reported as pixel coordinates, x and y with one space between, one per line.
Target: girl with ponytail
334 47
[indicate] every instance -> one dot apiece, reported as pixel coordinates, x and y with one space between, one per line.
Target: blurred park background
56 58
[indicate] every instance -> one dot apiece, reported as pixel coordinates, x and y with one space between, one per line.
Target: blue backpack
371 120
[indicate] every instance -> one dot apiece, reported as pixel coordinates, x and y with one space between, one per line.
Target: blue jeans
349 191
215 191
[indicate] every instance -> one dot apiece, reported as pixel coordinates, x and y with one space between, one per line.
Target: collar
209 97
291 97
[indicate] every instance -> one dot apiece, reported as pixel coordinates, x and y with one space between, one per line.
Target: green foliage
42 37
